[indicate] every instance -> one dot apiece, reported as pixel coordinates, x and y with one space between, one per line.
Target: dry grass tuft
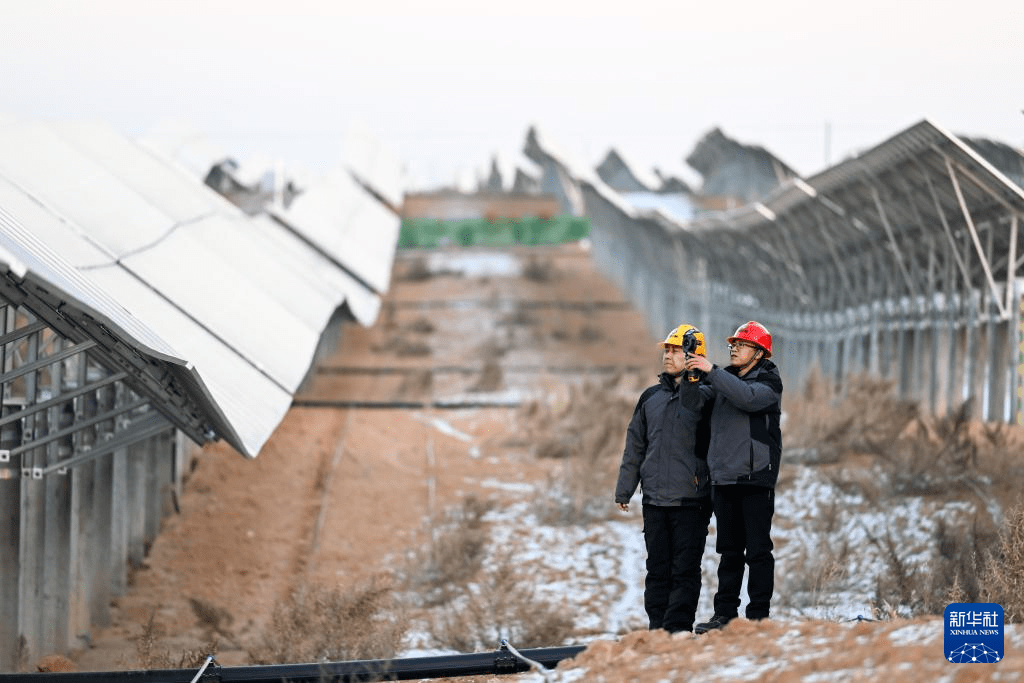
946 455
415 383
420 325
811 576
490 378
404 345
318 623
867 418
539 269
415 270
519 316
453 555
150 655
876 445
1002 579
501 605
213 619
586 432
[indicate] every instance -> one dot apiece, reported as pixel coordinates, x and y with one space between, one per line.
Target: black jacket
666 446
746 440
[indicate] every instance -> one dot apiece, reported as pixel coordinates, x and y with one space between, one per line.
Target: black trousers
743 515
675 538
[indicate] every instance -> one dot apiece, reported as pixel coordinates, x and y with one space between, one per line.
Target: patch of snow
444 427
507 486
509 397
917 634
474 263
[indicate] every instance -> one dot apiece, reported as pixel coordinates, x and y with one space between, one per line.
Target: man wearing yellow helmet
666 455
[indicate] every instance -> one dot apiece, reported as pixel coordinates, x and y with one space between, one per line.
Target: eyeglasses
741 345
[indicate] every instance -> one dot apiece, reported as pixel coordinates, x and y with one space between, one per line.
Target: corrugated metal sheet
75 247
36 256
43 272
169 188
374 165
230 301
66 180
186 146
348 225
244 300
251 402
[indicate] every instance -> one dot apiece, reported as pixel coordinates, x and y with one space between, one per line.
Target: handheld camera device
690 346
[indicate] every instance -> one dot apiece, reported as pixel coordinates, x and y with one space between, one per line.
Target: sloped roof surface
352 228
243 299
47 279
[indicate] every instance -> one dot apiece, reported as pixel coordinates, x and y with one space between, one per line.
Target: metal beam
897 253
141 428
960 262
62 398
1011 258
1003 311
60 433
23 332
47 361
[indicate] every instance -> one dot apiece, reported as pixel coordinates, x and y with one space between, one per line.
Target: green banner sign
426 233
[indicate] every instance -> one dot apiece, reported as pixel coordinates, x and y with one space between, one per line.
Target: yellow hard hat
682 335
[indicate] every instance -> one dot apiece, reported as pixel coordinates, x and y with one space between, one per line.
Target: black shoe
717 621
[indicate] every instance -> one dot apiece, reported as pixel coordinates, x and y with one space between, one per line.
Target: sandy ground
339 493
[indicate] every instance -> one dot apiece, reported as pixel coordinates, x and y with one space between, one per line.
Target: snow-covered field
829 558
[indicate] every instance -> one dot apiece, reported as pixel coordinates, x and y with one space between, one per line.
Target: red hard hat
755 333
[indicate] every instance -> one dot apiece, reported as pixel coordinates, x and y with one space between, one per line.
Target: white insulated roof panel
75 248
349 225
186 146
243 300
314 266
161 183
34 157
185 199
374 165
250 401
242 243
47 264
231 302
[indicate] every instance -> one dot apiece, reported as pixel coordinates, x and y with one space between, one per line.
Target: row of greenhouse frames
144 315
902 262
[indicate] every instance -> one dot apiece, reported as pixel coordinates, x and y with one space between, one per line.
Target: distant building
450 205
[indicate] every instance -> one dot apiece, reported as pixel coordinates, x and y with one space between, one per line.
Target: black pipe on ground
401 405
501 661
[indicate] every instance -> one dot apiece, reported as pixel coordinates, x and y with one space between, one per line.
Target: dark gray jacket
746 442
666 446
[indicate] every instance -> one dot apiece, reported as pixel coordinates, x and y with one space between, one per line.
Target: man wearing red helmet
743 457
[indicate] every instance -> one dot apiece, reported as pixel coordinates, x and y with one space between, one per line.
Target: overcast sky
447 83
